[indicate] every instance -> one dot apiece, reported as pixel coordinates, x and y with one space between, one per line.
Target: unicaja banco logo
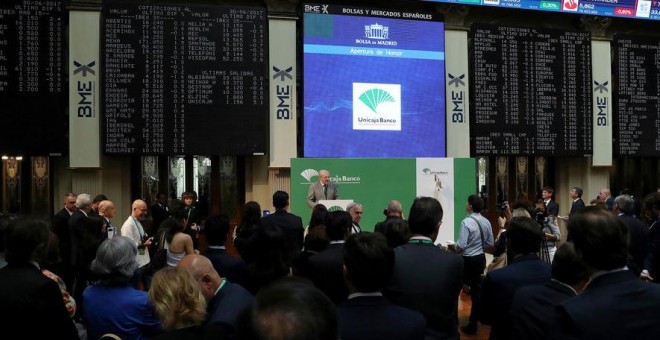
308 174
376 106
376 31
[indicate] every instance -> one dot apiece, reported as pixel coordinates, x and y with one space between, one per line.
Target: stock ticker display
33 96
531 91
637 96
184 79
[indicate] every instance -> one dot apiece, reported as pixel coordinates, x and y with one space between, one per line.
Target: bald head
394 208
139 209
202 270
107 209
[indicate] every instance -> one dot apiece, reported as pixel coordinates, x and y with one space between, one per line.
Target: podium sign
334 205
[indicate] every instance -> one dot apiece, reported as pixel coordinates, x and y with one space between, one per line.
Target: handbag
159 260
497 263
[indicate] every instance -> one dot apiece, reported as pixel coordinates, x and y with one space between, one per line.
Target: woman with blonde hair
179 304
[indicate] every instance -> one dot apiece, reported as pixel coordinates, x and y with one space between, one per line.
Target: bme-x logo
283 88
457 97
602 104
85 88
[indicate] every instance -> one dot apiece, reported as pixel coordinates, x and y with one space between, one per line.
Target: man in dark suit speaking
322 190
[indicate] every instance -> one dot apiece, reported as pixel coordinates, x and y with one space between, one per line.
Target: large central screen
373 83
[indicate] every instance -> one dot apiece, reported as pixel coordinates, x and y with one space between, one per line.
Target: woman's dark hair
319 212
250 219
173 226
24 239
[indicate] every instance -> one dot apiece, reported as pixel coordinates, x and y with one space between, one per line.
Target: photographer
550 230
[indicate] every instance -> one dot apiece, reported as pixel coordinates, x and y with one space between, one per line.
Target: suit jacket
292 227
616 305
652 261
227 265
552 208
158 214
77 229
576 206
228 303
325 271
428 279
32 304
315 193
374 317
500 286
533 307
380 226
639 240
61 229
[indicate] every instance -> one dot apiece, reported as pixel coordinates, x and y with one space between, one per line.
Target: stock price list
32 94
637 96
531 91
185 79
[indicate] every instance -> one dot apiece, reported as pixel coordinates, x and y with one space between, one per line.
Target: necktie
325 191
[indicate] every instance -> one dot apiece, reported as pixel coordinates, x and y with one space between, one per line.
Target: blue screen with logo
373 83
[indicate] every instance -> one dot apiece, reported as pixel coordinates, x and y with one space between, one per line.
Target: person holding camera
132 228
550 229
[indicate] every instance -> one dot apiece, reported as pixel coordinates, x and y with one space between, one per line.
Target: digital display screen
33 93
531 91
184 79
637 114
373 83
643 9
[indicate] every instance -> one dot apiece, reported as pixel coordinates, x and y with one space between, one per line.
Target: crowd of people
83 278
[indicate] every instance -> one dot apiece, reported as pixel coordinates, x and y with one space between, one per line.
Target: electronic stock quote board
33 94
637 96
531 91
373 83
185 79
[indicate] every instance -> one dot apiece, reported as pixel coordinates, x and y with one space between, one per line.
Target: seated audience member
249 223
368 267
325 268
615 304
32 306
225 300
533 306
290 309
427 278
397 232
113 305
315 242
216 230
392 212
524 239
180 305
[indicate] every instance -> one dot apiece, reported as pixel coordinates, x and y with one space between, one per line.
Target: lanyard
420 242
222 284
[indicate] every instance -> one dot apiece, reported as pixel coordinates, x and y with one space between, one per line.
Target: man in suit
107 212
605 196
325 269
368 267
576 197
216 230
78 226
95 204
616 304
551 207
524 238
624 207
32 303
651 269
225 299
159 211
392 212
61 229
324 189
427 278
355 209
533 306
290 224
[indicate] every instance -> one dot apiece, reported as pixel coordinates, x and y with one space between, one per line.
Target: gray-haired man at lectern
324 189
